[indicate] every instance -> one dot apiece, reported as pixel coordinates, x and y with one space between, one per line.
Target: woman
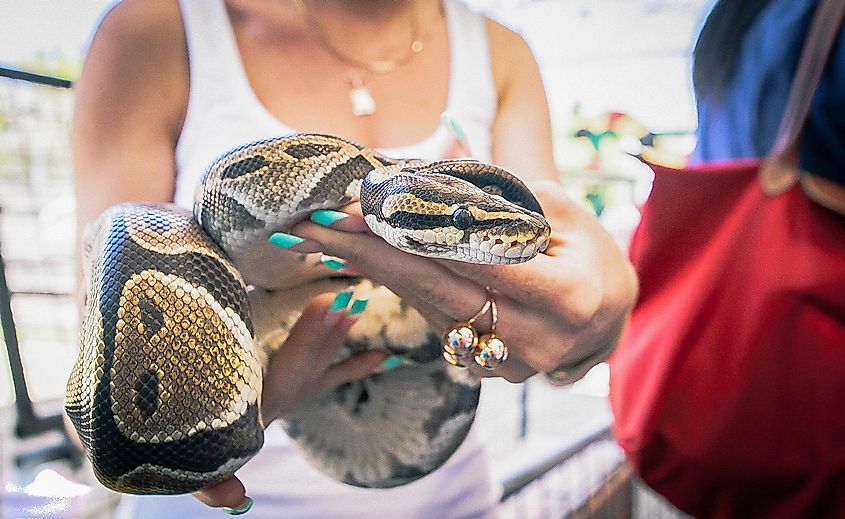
169 86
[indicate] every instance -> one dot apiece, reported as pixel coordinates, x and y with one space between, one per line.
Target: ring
491 352
462 344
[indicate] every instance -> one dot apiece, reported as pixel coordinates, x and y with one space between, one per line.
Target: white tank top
224 112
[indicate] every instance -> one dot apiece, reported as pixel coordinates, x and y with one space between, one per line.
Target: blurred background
617 77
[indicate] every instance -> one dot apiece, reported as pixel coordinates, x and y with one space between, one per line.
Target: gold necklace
360 95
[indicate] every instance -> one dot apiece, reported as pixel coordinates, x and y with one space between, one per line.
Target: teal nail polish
326 217
244 508
358 306
391 362
284 241
454 127
341 300
333 263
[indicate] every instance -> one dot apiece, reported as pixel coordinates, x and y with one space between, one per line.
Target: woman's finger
310 348
543 282
530 307
347 219
229 495
319 334
442 296
356 367
403 273
514 370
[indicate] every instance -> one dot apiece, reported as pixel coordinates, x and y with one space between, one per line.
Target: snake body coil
165 393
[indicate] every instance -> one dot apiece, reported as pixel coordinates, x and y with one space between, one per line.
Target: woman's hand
301 370
562 307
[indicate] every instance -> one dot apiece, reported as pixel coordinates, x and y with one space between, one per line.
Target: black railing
523 477
29 423
34 77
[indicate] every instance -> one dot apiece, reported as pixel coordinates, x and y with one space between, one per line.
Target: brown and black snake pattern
165 393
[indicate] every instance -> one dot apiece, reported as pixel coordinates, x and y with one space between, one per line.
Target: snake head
455 210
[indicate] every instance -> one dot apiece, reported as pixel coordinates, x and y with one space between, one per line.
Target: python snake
166 390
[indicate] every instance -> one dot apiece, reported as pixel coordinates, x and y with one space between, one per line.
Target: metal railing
29 423
518 480
33 77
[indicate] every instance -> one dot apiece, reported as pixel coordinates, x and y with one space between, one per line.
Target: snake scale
166 390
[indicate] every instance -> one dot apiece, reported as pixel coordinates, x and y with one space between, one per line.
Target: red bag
728 386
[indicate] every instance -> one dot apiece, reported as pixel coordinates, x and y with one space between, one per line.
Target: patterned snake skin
165 393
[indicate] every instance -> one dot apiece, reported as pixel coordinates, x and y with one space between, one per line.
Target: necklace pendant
362 100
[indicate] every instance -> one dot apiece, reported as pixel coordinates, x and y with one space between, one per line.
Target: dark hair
720 43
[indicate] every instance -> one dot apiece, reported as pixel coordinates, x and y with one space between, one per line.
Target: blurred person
169 86
744 62
724 413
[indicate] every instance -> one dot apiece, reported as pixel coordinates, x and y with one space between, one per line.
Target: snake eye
462 219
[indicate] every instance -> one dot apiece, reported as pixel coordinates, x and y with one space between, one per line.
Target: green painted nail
333 263
244 508
358 306
326 217
284 241
453 125
341 300
391 362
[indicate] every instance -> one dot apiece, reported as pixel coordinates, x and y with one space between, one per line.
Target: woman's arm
130 102
522 130
122 131
594 285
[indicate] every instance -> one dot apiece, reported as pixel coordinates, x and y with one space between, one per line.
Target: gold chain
381 66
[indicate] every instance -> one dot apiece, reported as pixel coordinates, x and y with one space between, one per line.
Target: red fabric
728 387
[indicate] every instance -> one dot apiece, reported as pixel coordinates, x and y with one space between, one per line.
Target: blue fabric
745 121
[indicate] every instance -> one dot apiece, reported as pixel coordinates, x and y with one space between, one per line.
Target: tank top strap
471 74
222 110
472 100
214 60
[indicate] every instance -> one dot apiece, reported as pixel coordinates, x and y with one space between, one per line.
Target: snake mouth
514 242
518 242
505 250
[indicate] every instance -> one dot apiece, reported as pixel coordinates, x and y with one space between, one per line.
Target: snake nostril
146 394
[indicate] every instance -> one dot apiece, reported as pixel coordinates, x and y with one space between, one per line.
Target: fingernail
391 362
453 126
327 217
333 263
284 241
341 300
358 306
240 510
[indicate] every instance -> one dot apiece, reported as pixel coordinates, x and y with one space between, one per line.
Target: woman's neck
365 33
373 10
